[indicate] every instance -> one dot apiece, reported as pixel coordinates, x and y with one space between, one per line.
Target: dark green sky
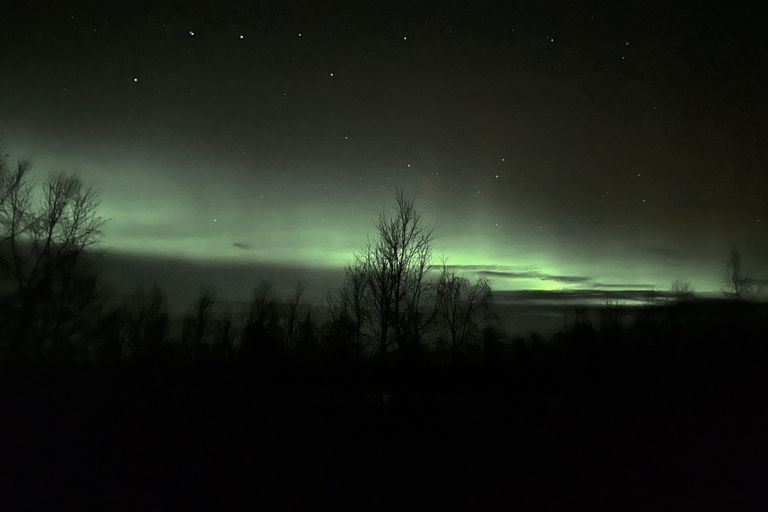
560 145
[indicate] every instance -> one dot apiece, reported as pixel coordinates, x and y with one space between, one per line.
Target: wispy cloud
478 268
571 296
510 272
633 286
533 275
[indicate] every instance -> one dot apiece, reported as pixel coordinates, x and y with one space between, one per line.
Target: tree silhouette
42 256
349 314
306 335
146 322
198 325
462 309
681 289
394 267
292 316
261 325
737 279
223 335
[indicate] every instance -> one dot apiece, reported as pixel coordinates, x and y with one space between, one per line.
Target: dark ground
594 420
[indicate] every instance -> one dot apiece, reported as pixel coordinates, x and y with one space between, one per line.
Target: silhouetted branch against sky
44 239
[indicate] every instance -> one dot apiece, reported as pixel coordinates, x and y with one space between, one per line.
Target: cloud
512 272
533 275
571 296
475 268
625 286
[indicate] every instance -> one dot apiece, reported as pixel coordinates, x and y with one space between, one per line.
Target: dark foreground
594 421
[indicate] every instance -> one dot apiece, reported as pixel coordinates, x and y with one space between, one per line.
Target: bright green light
168 204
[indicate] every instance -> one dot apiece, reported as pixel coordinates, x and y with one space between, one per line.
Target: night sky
554 145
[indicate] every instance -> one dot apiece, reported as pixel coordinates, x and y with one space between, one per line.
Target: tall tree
146 322
261 324
42 260
462 310
198 324
737 279
395 266
354 304
292 316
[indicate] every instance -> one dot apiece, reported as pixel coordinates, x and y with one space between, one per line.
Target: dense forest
403 392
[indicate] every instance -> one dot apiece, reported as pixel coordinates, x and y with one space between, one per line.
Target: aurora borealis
554 145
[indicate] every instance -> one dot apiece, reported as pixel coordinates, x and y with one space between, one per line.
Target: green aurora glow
554 164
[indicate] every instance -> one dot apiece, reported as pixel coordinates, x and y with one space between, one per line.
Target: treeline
458 324
285 405
394 303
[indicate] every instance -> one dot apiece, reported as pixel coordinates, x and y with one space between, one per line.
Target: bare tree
395 266
354 300
681 289
42 250
224 333
198 325
292 314
146 322
51 236
262 320
737 279
462 309
349 313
